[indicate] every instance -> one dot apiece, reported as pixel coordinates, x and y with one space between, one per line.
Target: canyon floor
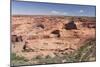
51 39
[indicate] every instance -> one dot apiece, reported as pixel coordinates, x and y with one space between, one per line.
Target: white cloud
55 12
65 13
81 11
58 12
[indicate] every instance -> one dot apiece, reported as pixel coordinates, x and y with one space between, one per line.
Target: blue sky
37 8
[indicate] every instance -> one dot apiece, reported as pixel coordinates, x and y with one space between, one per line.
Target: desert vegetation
83 54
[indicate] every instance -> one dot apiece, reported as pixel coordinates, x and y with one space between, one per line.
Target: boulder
15 38
56 33
70 25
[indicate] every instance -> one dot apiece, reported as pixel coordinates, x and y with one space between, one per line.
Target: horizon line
48 15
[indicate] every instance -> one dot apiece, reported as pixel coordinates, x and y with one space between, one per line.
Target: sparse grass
18 60
86 52
46 60
15 57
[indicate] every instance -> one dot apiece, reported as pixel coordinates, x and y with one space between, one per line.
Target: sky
38 8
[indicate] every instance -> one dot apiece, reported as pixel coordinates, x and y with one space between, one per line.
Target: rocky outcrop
15 38
56 33
71 25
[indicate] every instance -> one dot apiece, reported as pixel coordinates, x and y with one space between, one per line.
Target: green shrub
15 57
18 60
86 52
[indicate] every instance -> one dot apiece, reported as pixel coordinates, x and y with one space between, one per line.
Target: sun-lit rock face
49 34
